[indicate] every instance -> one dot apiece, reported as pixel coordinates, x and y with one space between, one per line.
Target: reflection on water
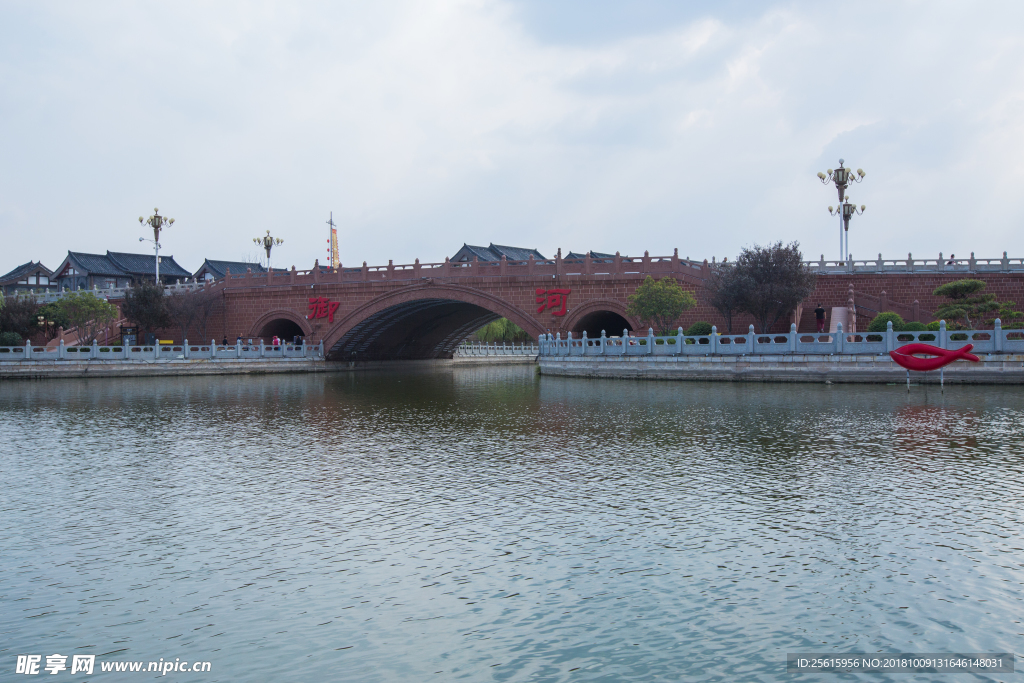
489 524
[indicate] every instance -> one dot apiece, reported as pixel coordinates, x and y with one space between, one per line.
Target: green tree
54 318
502 330
772 281
87 313
724 291
18 315
659 303
879 324
967 307
144 305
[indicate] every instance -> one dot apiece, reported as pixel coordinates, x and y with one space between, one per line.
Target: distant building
494 252
595 256
115 270
28 276
216 270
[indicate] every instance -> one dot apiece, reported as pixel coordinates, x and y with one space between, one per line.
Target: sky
423 125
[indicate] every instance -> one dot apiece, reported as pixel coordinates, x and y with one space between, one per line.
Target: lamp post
158 223
268 243
846 211
842 177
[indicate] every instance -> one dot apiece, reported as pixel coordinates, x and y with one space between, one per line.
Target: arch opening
282 327
592 323
418 329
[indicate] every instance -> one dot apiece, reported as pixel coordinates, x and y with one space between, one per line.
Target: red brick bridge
425 310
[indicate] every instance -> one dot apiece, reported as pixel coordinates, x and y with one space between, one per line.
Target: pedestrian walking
819 316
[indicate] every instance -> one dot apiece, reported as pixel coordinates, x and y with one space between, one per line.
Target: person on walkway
819 316
952 260
225 342
238 342
275 341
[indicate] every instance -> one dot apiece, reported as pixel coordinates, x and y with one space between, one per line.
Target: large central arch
423 321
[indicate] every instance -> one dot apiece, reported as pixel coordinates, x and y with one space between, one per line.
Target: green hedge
879 323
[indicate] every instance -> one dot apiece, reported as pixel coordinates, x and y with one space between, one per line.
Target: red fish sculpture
905 357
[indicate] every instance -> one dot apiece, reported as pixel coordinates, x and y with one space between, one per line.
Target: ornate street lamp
268 243
158 223
842 177
846 211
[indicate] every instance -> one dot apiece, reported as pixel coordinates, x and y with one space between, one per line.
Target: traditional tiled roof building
114 270
216 270
595 256
28 276
494 252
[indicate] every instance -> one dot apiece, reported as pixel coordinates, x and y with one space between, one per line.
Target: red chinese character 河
553 299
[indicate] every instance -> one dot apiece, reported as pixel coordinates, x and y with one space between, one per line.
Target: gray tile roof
220 268
594 255
144 264
494 252
94 264
25 269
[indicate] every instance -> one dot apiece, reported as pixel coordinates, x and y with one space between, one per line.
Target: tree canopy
502 330
964 310
87 313
18 315
144 306
724 291
771 281
659 303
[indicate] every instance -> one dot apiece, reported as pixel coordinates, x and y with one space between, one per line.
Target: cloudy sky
613 126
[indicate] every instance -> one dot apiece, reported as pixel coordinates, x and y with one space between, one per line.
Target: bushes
879 323
912 326
697 329
10 339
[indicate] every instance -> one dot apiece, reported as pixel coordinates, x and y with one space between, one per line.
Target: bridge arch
282 322
600 314
423 321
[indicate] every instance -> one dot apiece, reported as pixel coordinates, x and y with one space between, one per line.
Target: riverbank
993 369
60 369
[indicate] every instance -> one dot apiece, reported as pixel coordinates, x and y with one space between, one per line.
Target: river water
488 524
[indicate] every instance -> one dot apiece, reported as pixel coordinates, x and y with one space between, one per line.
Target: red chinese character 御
321 307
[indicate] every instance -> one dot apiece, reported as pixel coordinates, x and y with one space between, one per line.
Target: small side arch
280 322
600 314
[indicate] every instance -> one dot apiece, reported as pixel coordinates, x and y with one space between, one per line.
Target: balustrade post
156 349
503 266
942 262
321 348
1005 262
713 342
316 270
618 263
584 343
625 342
28 349
839 338
238 348
366 272
446 269
262 348
997 335
679 341
943 335
890 337
391 269
650 341
750 339
880 263
558 262
125 352
416 268
529 265
792 337
568 336
213 348
60 350
185 349
910 262
604 342
972 263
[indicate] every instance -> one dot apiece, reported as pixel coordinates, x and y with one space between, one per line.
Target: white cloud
424 125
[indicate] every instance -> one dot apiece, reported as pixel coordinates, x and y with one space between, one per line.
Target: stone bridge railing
473 349
996 340
186 351
925 265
